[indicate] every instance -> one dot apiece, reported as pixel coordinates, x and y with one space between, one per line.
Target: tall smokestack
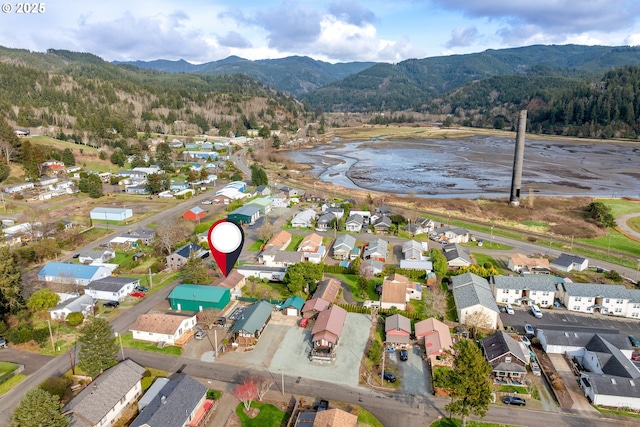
518 159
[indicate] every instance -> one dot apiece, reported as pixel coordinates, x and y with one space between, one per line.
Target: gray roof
173 404
613 386
377 246
412 244
253 318
470 289
326 218
94 402
604 291
611 359
397 321
453 251
288 257
345 239
529 282
357 218
111 283
563 337
565 260
76 304
189 249
500 343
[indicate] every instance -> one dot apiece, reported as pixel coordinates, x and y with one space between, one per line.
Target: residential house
532 289
293 306
412 251
335 418
425 265
170 329
292 192
265 204
524 265
457 256
451 234
103 402
79 304
394 294
397 329
181 402
263 190
74 274
198 297
313 307
354 223
111 214
196 213
342 247
274 257
96 256
18 188
371 266
152 392
474 301
179 258
421 226
325 222
245 215
310 243
435 337
566 263
279 241
377 249
142 235
261 272
326 333
280 200
616 300
336 211
382 224
328 289
506 357
112 288
610 378
247 330
234 282
221 199
304 219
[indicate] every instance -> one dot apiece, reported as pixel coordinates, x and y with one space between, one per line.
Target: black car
512 400
141 288
323 406
76 256
404 355
112 304
388 376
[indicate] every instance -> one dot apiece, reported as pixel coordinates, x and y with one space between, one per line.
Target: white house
451 234
275 274
104 401
474 300
532 289
457 256
18 188
96 256
111 214
111 288
80 304
162 328
412 250
343 246
354 223
606 299
303 219
566 262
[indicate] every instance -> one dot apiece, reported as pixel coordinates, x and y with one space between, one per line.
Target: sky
390 31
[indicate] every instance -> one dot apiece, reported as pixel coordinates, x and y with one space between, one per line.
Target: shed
199 297
293 306
196 213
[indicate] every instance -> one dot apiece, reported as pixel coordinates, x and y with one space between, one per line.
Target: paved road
622 224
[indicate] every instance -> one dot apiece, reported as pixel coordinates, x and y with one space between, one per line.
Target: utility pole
384 350
150 279
53 346
121 347
282 380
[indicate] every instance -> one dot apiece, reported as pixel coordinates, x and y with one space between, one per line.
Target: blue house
178 185
75 274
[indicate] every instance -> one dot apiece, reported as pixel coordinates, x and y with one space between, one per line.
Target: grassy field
11 383
482 258
296 239
621 207
129 342
366 418
634 223
269 416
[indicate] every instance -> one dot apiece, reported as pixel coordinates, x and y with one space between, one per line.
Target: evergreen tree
258 176
163 157
94 186
68 158
39 408
118 158
469 384
98 348
196 272
157 183
11 300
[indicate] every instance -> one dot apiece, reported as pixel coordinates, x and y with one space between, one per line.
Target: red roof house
194 214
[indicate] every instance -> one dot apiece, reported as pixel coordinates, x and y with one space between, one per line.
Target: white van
536 311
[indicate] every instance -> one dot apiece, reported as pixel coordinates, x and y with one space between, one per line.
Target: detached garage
199 297
111 214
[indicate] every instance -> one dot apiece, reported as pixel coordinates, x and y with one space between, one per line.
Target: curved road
622 224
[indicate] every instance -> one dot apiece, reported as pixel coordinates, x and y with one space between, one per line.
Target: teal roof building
199 297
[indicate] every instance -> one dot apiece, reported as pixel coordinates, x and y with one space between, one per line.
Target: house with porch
377 249
506 357
342 247
112 288
397 329
532 289
381 224
247 330
79 304
450 234
326 333
354 223
104 401
170 329
325 222
457 256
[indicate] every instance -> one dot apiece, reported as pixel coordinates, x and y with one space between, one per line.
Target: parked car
304 322
200 333
222 321
112 304
404 355
635 356
323 406
525 340
76 256
634 341
138 294
206 202
513 400
536 311
535 369
141 288
510 309
528 329
388 376
3 343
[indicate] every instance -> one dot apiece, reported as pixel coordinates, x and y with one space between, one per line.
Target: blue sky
335 31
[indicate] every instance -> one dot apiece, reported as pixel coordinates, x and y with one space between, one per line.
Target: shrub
158 266
557 384
55 385
75 318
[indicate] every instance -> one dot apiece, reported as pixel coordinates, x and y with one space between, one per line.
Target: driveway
414 374
580 402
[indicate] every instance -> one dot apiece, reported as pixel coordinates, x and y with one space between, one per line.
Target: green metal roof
253 318
198 293
294 301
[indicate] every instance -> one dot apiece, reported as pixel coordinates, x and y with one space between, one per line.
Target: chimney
518 160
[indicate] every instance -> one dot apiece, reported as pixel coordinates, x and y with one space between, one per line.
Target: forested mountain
295 74
414 83
99 101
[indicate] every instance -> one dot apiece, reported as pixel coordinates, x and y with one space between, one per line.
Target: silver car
200 333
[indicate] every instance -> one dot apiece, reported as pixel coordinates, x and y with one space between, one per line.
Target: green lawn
7 367
617 412
483 258
352 281
11 383
129 342
269 416
620 207
366 418
615 242
255 246
296 239
634 223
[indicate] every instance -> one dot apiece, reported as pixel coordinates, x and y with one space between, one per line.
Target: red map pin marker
226 239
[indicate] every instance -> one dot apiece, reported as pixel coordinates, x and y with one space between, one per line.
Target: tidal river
477 166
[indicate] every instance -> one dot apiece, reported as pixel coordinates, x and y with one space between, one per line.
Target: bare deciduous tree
477 320
208 316
171 233
7 151
263 384
246 393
